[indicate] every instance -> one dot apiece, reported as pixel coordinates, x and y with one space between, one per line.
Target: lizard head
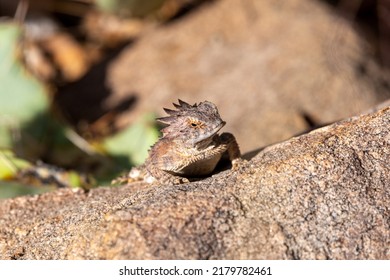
195 125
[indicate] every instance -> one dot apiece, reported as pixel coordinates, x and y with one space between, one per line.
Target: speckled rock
322 195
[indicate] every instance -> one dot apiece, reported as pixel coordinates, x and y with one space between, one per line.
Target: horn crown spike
183 105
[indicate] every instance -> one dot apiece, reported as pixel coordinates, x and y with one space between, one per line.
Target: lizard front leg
232 148
165 177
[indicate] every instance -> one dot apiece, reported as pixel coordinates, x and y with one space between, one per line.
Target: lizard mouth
222 124
208 137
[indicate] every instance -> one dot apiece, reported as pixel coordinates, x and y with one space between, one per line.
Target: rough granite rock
322 195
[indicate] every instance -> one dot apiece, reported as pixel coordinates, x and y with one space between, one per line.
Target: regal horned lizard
189 147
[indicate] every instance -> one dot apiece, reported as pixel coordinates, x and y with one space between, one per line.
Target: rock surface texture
322 195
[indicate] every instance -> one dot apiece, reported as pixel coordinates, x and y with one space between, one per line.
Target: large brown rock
272 67
322 195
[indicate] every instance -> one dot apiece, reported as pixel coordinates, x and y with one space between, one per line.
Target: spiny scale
182 107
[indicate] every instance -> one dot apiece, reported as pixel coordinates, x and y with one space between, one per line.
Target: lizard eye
194 124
